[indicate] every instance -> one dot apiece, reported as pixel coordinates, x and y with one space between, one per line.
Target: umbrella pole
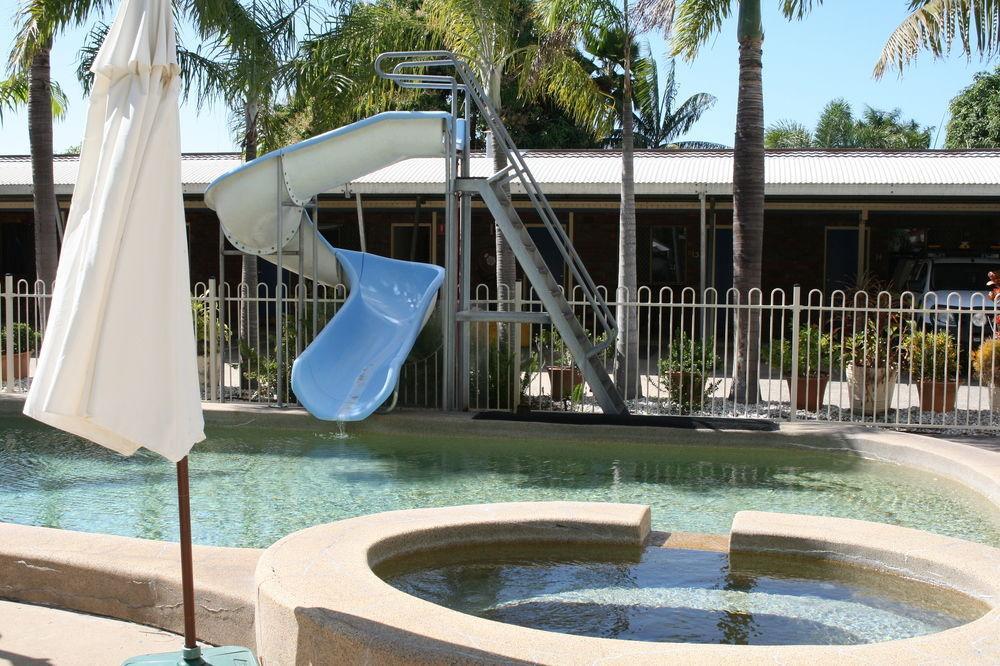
192 653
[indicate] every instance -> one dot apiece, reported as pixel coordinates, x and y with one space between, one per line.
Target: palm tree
937 26
609 28
657 121
39 21
837 128
34 90
787 134
692 23
251 67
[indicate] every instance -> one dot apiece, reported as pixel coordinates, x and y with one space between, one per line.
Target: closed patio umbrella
118 361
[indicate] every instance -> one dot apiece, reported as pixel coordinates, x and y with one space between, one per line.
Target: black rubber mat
680 422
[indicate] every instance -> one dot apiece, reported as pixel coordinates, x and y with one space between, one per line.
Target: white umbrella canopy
118 361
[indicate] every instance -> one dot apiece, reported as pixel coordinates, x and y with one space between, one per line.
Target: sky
807 63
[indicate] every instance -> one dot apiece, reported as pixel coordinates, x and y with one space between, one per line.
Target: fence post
8 323
213 339
793 383
517 349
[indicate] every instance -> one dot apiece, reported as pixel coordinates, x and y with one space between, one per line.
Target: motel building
831 216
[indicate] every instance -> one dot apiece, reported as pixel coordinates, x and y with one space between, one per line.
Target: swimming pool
252 485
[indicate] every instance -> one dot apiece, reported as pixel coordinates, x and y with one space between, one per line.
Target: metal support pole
450 304
517 348
465 296
279 300
361 220
300 288
213 340
703 246
8 323
222 301
793 383
862 245
314 217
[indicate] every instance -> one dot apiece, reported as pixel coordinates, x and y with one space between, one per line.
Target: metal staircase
410 71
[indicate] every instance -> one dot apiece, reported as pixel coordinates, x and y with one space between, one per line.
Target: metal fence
892 360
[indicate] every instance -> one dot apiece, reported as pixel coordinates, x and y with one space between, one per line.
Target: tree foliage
975 114
15 89
875 129
938 26
788 134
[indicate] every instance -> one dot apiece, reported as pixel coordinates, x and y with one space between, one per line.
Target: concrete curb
355 617
130 579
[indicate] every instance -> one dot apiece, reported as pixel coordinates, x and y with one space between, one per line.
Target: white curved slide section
353 365
247 198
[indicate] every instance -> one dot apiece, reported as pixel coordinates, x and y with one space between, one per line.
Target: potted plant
25 339
816 355
871 358
986 362
932 358
555 359
685 368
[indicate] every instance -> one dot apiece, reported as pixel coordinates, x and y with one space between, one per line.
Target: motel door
723 260
550 253
841 258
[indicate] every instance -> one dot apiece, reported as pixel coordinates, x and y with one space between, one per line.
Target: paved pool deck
39 636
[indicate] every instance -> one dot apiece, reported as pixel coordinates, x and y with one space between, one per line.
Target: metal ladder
410 72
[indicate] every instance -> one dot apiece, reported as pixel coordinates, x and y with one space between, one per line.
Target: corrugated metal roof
197 171
665 173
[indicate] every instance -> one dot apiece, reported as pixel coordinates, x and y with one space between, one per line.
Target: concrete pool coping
356 617
976 468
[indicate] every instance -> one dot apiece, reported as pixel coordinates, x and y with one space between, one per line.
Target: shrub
25 338
684 369
986 361
877 345
930 356
817 353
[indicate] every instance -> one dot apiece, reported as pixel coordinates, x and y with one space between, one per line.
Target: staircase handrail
467 82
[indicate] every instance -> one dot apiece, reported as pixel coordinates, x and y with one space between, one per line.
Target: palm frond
937 26
787 134
798 9
37 22
15 91
561 77
690 112
696 21
698 145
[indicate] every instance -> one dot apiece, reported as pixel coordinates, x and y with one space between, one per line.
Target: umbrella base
230 655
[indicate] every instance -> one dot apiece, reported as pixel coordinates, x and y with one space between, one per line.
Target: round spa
567 583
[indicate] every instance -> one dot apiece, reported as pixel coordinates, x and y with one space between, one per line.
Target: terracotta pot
937 396
20 365
809 391
562 380
871 389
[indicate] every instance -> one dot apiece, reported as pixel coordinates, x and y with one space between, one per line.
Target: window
403 243
668 248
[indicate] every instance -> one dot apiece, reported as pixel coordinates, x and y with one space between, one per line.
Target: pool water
251 485
682 596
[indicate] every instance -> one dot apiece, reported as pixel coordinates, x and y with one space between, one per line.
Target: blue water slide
353 365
